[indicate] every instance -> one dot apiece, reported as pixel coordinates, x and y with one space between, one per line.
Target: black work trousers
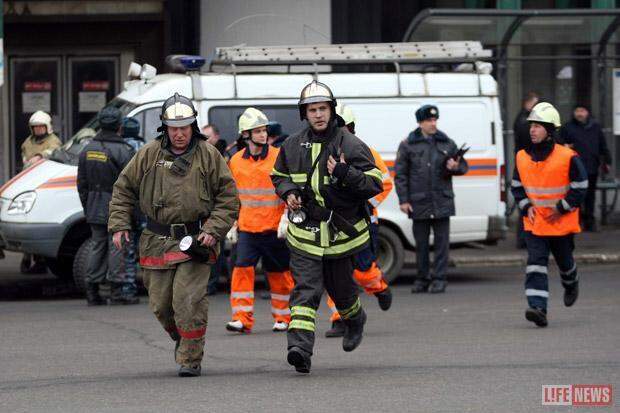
536 278
105 261
312 276
589 202
441 233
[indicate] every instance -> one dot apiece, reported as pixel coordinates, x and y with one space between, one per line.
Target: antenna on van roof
362 53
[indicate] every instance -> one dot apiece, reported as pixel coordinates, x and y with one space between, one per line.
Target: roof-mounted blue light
192 62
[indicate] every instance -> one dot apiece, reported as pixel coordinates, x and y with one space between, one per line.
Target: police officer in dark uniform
326 175
425 163
99 165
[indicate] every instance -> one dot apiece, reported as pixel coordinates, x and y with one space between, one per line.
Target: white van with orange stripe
41 212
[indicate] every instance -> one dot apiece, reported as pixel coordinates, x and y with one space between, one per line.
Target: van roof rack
361 53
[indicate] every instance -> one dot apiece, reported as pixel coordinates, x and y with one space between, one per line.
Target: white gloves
283 225
233 234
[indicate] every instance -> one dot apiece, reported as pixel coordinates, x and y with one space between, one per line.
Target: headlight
22 203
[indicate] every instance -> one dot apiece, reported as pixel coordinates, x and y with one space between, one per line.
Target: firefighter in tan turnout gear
184 187
42 140
326 175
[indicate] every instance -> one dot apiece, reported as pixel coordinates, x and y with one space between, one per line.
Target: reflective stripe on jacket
546 184
261 208
348 198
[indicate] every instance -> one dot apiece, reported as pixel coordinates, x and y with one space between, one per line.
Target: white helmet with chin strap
40 118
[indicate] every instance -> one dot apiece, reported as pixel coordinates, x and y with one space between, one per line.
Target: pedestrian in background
130 131
275 137
212 133
585 135
548 184
99 165
521 129
426 161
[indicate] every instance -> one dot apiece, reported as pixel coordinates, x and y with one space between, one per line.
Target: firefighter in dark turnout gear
100 164
549 183
326 176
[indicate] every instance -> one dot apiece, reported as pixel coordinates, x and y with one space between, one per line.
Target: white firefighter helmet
40 118
544 112
345 113
252 118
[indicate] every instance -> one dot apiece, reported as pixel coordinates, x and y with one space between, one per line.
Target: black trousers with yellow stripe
312 276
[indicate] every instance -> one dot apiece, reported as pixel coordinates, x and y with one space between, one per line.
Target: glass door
93 82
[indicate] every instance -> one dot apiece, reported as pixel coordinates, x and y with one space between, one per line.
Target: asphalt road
469 350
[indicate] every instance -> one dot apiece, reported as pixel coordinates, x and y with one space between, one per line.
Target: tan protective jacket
205 193
43 147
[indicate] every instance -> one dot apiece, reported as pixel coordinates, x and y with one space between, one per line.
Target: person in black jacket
425 163
585 135
100 163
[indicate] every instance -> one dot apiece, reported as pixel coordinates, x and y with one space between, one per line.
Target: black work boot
571 292
300 359
354 331
92 295
189 371
419 286
537 316
118 298
337 329
384 298
437 287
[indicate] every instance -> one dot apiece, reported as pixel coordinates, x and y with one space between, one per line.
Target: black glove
340 171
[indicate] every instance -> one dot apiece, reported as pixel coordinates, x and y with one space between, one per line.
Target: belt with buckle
174 231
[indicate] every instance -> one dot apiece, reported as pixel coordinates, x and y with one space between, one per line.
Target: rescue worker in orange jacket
549 183
259 219
367 273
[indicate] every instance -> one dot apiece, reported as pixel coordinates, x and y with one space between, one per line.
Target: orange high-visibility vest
546 183
388 184
261 208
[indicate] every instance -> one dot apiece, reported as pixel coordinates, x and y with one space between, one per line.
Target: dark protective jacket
588 141
422 178
99 166
347 197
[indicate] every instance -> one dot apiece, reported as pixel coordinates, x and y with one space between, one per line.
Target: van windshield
70 151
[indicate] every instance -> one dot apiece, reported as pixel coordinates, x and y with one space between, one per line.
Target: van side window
226 117
151 123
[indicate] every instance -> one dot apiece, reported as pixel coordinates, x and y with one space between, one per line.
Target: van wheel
61 267
80 264
390 253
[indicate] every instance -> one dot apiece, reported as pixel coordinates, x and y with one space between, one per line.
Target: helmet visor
179 123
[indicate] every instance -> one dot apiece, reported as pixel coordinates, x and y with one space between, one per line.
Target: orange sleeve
388 184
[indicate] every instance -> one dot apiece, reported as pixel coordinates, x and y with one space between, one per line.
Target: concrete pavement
467 350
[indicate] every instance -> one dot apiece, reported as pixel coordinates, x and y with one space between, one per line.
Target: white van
41 212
